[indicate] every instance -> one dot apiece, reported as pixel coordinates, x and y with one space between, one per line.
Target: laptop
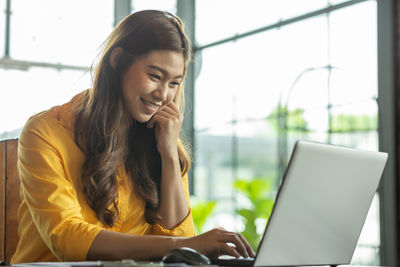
320 208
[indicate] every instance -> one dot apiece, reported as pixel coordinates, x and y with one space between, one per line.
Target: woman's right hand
219 242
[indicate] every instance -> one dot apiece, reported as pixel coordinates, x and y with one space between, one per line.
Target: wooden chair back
9 198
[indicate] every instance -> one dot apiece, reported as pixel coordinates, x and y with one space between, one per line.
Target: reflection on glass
67 32
35 90
166 5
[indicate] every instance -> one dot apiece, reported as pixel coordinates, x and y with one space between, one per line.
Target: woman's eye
155 76
174 83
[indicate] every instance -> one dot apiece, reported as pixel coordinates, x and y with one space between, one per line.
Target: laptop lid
321 205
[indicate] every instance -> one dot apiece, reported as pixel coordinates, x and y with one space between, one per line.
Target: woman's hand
219 242
167 123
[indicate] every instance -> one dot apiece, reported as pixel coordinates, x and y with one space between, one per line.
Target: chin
143 118
142 121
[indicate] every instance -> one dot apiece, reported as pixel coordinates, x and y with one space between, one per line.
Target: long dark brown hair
111 140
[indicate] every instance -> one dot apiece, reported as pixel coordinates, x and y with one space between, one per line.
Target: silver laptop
321 206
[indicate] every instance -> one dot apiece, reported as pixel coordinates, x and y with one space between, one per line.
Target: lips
150 106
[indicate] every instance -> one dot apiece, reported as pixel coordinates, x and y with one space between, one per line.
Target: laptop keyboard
233 261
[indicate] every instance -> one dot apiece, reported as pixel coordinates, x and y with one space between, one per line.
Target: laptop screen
321 205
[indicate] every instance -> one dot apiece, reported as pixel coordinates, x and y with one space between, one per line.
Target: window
166 5
71 38
312 78
51 50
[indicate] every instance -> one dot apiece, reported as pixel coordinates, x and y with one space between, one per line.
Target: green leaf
258 188
248 215
201 212
257 191
263 208
242 186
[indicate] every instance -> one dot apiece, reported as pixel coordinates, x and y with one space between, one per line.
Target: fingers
249 249
219 241
168 114
241 244
165 120
171 110
225 249
172 106
237 240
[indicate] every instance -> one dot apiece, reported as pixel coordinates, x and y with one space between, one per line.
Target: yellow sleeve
186 227
50 195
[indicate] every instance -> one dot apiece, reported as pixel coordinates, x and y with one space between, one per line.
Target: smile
150 106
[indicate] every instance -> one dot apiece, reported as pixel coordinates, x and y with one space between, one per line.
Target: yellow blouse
55 221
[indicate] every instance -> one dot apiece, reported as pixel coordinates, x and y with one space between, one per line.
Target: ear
114 57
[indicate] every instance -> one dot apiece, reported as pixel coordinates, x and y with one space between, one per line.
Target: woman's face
151 82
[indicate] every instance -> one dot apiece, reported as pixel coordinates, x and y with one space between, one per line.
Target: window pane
2 26
65 31
255 146
280 71
216 20
367 252
322 75
166 5
264 69
353 51
216 81
214 163
29 92
257 150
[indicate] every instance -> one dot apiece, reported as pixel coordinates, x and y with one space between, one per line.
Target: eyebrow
163 71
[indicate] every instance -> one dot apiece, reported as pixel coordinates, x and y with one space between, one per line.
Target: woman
105 175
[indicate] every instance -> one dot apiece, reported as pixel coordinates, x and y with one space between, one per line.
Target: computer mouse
186 255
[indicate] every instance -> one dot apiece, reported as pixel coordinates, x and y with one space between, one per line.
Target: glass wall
52 45
313 79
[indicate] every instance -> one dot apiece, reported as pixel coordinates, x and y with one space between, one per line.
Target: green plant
257 191
295 120
201 211
342 123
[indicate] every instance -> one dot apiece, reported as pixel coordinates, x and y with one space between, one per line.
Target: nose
161 92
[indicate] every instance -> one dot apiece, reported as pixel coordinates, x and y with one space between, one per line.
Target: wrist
180 242
170 156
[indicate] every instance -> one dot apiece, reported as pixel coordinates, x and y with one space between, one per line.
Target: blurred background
265 74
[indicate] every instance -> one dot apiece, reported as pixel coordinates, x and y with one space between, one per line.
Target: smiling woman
151 82
104 176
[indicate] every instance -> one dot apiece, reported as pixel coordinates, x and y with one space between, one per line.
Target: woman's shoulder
42 121
54 121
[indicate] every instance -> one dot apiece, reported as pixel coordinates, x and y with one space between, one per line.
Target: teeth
150 104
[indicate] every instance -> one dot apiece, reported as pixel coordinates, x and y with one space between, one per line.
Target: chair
9 198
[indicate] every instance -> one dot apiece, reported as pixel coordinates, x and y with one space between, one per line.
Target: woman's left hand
167 123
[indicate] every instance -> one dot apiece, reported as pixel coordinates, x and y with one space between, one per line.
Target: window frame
386 111
387 126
